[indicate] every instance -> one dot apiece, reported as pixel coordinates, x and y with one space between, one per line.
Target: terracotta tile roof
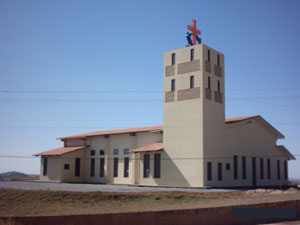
60 151
238 119
119 131
149 148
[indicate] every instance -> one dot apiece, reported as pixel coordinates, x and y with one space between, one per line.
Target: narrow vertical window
92 152
102 167
192 54
173 58
261 168
45 166
116 164
285 170
77 167
244 167
209 171
191 81
208 83
235 167
218 86
219 171
173 85
157 166
278 169
92 168
269 168
146 165
218 60
126 166
208 55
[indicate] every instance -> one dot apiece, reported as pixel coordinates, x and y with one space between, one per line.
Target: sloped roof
285 152
119 131
149 148
59 151
160 128
260 120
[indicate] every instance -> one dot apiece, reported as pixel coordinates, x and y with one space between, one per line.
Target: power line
32 100
176 158
135 91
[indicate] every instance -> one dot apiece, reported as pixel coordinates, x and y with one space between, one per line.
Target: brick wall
189 67
170 70
170 96
190 93
218 97
218 71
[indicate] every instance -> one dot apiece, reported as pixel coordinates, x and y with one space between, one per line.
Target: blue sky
68 65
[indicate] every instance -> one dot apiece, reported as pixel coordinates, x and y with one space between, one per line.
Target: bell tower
194 109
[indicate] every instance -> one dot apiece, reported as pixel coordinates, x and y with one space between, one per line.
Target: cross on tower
194 30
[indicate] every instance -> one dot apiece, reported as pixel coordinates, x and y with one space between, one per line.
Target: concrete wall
249 139
74 142
183 130
68 175
53 170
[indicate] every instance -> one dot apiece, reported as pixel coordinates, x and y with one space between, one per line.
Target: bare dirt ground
42 203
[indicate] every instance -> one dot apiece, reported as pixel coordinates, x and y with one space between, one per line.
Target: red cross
194 30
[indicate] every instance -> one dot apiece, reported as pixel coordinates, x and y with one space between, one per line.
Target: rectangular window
285 170
227 166
102 152
219 86
219 171
173 85
262 168
278 169
244 167
218 60
102 171
173 58
77 167
191 81
147 165
208 83
116 152
92 152
208 55
45 166
126 151
157 166
209 171
269 168
66 166
126 166
235 167
92 168
116 163
192 54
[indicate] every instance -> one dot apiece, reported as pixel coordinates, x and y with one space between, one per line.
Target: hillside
14 174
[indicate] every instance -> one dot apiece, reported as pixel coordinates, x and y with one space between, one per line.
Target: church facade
196 146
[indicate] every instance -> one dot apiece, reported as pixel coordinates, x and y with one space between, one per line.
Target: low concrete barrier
207 216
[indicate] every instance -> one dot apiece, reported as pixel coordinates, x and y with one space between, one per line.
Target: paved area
36 185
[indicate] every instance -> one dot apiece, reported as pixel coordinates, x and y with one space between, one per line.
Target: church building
195 147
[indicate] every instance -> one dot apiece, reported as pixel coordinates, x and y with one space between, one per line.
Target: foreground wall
208 216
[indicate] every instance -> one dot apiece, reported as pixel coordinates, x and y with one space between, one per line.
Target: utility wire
135 91
122 157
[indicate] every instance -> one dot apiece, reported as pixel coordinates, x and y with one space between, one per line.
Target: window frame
45 166
192 81
146 166
209 171
192 55
116 166
92 167
126 167
173 87
173 58
102 167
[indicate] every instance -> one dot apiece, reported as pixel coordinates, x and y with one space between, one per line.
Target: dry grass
36 203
